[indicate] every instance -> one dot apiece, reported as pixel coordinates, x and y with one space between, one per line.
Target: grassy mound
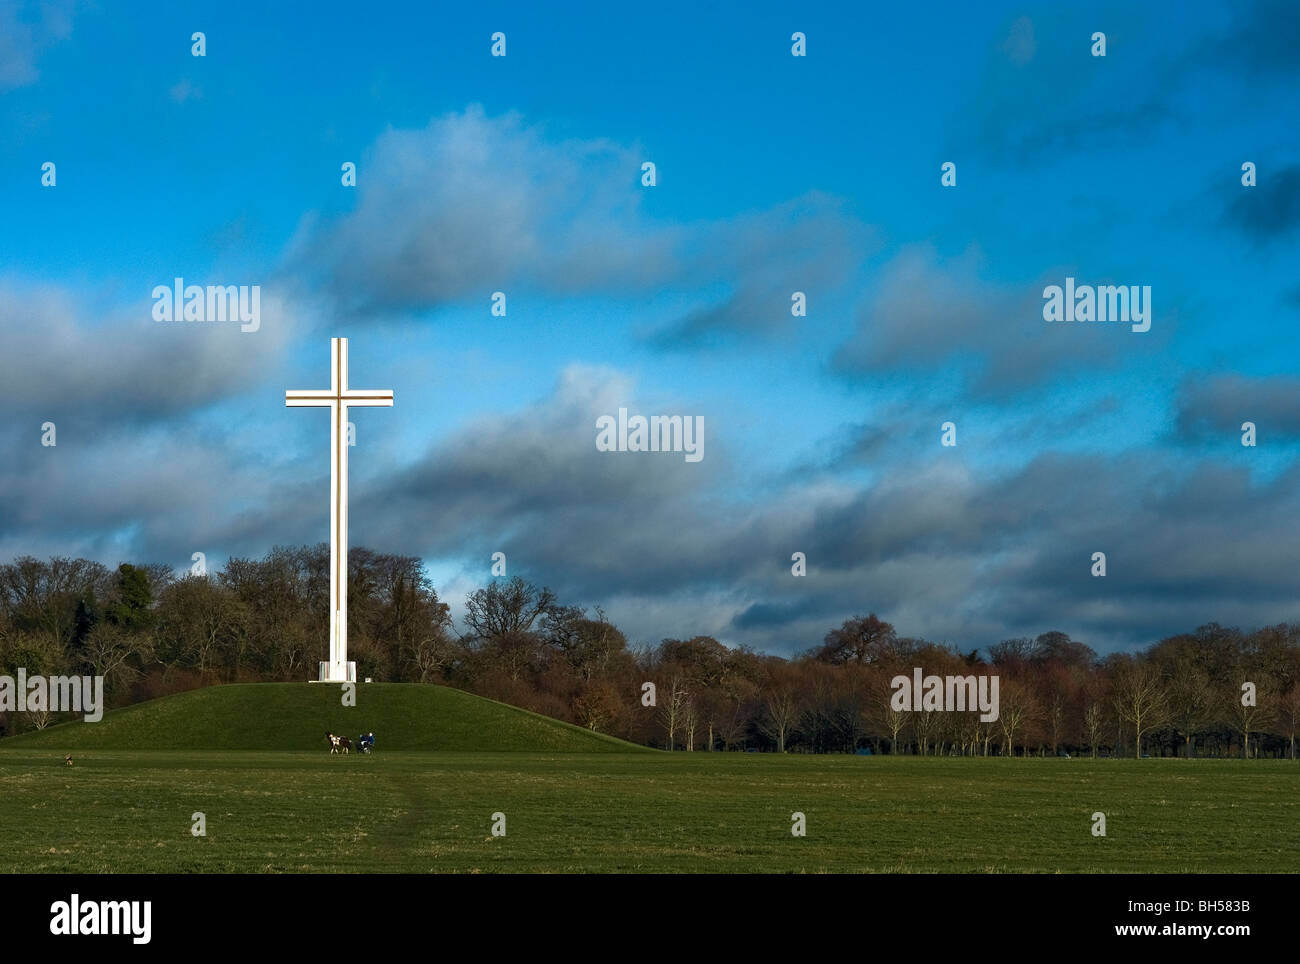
295 716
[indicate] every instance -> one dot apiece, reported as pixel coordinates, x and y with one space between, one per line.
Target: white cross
338 400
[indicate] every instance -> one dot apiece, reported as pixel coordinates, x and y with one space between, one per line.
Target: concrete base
337 672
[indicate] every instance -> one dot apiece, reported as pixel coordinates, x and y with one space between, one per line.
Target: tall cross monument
338 400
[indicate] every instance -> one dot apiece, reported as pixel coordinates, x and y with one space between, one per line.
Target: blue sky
775 173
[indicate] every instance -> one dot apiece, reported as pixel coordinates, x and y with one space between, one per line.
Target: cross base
337 672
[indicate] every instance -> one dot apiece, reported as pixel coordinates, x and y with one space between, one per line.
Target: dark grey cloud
928 314
777 614
534 482
1042 92
129 494
1258 40
810 245
63 355
1269 211
949 555
1217 405
473 204
137 471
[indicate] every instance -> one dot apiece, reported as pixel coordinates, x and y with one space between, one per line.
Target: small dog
67 760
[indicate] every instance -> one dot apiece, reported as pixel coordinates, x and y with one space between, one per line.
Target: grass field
130 811
252 758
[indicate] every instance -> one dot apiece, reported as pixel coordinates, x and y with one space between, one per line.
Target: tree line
149 632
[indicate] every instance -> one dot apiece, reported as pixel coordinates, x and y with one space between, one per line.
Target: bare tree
43 596
1094 718
1016 707
1056 718
502 608
893 720
1140 699
1191 703
198 620
925 724
1289 713
862 639
41 653
590 644
734 713
781 707
672 709
596 706
1251 715
969 733
108 650
430 654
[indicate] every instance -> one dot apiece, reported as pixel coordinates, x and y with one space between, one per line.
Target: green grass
253 759
129 811
295 716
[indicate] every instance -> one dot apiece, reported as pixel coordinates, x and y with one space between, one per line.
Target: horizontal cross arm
308 399
368 399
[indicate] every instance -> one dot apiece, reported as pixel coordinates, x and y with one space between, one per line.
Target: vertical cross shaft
338 400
